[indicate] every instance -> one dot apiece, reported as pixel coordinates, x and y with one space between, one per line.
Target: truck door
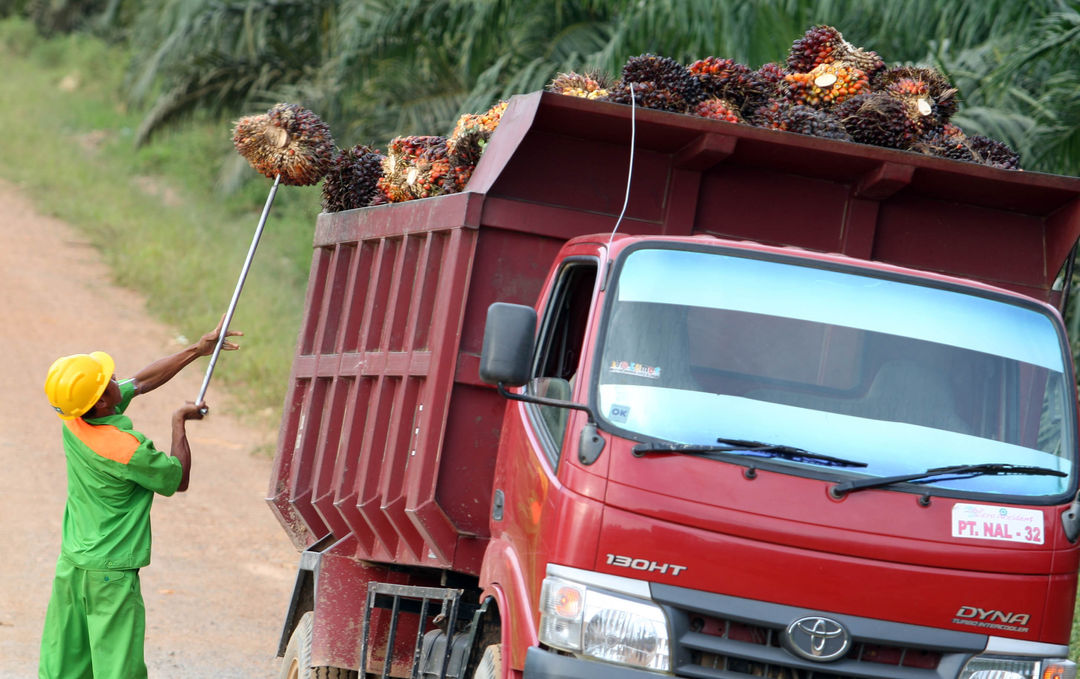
559 349
534 437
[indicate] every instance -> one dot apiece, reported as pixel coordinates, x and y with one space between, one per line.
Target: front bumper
541 664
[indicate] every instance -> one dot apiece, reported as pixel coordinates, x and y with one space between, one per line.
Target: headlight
1000 667
597 624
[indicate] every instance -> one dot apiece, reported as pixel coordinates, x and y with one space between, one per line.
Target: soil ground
222 571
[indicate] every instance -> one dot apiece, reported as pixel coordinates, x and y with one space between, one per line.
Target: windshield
704 345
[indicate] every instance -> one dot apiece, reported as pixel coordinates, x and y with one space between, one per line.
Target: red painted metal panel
364 444
743 203
823 579
341 591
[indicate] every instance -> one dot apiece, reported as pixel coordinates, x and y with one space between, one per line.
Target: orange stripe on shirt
105 440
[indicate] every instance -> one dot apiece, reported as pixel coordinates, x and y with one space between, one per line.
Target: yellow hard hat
76 382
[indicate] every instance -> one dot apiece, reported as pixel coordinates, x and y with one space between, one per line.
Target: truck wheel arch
502 579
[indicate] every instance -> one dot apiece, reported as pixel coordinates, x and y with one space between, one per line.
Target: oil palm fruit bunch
287 141
729 80
879 119
947 141
716 108
826 85
586 86
826 45
352 180
647 95
927 91
772 72
471 134
782 115
813 122
768 115
417 167
656 82
993 153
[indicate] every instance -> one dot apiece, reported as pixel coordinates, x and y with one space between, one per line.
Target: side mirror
509 334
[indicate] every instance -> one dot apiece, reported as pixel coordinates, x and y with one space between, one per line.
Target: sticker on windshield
619 413
987 522
636 369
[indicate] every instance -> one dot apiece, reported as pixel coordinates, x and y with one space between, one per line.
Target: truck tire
297 661
490 666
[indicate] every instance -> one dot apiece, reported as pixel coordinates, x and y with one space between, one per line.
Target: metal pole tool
236 293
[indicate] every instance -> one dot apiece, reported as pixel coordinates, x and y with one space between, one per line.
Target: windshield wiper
742 448
960 471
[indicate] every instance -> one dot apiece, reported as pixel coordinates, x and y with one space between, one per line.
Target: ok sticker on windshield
990 522
619 413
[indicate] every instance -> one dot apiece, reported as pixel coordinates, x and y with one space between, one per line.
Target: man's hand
164 369
206 344
190 411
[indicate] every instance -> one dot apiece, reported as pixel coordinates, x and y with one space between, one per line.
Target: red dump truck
808 412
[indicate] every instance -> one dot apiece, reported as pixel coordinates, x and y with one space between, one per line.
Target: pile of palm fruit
413 167
827 88
293 145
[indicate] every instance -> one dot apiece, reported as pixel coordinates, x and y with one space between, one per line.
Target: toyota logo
818 639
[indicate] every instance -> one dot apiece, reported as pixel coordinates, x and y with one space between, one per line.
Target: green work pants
95 625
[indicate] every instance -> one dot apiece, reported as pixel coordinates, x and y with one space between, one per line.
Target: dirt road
222 568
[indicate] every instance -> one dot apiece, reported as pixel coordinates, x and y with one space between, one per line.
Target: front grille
747 662
721 637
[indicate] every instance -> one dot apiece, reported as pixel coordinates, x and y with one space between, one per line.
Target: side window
559 349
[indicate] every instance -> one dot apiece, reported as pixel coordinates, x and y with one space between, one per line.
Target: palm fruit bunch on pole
656 82
290 145
586 86
352 180
288 141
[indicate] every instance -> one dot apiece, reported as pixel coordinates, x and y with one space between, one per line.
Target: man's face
106 405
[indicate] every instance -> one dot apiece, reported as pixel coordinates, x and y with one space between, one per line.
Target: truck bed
388 437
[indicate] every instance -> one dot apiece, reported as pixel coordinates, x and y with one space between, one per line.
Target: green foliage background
154 211
118 113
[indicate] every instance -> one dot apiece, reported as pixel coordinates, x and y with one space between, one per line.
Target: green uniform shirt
113 472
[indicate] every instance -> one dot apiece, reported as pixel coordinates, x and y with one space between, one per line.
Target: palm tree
375 69
220 57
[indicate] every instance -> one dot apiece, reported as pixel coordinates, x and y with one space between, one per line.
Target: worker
95 623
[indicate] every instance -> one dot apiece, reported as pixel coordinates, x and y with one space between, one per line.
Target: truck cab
778 461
